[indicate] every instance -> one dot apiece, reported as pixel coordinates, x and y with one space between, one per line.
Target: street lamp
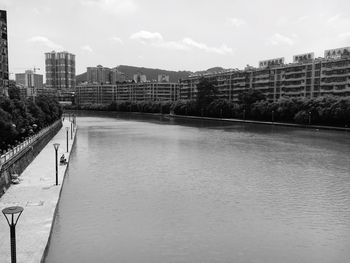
56 145
67 129
71 129
309 117
12 211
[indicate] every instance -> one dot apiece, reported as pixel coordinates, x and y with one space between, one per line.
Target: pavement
38 194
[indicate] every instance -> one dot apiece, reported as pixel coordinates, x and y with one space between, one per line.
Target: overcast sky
172 34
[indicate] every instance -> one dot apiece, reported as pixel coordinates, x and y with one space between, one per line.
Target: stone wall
19 162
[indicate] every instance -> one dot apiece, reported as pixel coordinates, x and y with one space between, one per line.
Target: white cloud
333 19
119 7
87 48
218 50
344 35
278 39
45 42
156 39
236 22
118 40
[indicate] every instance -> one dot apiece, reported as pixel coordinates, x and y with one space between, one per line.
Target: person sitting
63 159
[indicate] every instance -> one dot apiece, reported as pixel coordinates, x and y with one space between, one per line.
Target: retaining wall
16 161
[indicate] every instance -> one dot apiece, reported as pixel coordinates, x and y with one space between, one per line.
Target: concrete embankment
262 122
39 196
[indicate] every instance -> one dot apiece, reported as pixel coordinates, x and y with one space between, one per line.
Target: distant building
139 78
30 81
4 72
99 75
163 78
147 91
117 76
60 70
306 77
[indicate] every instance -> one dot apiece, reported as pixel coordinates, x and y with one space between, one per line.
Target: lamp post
273 116
67 129
71 129
309 117
12 212
56 145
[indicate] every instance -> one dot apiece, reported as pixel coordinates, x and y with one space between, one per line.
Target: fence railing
4 158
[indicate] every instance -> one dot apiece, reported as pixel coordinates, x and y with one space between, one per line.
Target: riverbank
262 122
39 196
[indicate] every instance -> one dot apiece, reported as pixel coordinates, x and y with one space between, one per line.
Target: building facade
4 71
30 81
99 75
106 94
60 70
306 77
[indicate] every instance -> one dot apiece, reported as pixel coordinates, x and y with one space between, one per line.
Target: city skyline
188 35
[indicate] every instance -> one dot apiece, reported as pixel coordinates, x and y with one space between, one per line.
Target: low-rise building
107 93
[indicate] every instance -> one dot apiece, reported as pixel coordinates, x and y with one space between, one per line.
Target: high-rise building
60 70
30 81
4 72
99 75
139 78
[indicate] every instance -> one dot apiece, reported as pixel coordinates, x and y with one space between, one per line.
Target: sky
172 34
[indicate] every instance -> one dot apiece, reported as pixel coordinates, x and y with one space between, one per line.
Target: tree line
22 118
251 105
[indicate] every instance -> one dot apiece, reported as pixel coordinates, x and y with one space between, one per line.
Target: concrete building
4 71
163 78
139 78
106 94
306 77
60 70
99 75
30 81
117 76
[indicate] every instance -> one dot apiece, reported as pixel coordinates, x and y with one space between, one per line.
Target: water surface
142 189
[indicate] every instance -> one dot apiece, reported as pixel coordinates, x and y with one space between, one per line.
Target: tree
207 92
249 97
14 93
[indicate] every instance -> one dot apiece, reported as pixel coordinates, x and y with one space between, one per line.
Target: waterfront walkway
38 195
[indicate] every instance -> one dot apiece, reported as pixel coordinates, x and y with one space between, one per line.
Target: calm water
143 189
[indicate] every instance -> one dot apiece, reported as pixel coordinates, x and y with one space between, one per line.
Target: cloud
278 39
333 19
87 48
218 50
119 7
236 22
156 39
118 40
45 42
344 35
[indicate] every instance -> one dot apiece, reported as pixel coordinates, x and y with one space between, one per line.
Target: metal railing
10 154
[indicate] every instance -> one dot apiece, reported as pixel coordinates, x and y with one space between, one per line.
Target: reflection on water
143 189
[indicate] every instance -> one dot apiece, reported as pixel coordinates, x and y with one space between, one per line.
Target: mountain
210 70
151 74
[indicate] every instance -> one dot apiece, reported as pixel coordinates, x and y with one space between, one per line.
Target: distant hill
151 74
210 70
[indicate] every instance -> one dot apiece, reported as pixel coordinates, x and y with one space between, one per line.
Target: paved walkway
38 195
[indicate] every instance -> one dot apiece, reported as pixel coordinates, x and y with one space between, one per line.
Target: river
149 189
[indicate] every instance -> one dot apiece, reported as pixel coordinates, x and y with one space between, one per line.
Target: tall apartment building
139 78
60 70
30 81
4 72
306 77
99 75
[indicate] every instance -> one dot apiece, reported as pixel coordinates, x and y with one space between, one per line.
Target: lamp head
12 211
56 145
